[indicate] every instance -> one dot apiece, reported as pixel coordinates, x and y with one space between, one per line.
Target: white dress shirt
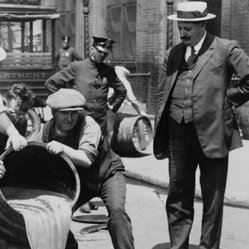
197 47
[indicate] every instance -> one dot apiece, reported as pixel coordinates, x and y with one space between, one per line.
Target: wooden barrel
243 120
132 134
32 168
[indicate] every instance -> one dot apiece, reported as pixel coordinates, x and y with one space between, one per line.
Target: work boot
85 208
93 206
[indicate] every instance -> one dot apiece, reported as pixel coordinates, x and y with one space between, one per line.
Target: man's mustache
185 38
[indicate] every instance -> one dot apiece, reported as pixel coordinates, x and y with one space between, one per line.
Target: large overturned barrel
29 173
132 134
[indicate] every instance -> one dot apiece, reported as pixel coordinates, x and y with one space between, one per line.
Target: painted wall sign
27 75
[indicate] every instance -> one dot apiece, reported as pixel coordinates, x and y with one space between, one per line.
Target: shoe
93 206
85 208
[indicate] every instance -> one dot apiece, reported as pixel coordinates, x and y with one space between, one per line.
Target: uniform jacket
93 81
65 56
212 98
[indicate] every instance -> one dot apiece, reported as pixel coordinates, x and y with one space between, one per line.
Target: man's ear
92 50
203 24
53 111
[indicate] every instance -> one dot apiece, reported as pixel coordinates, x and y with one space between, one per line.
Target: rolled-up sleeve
90 138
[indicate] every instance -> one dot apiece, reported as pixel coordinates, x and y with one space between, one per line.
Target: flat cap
103 44
66 100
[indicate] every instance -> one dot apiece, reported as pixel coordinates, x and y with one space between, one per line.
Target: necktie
192 58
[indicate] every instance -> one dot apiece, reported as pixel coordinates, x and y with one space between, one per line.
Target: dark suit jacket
212 98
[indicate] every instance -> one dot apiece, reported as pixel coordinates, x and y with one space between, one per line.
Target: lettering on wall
23 75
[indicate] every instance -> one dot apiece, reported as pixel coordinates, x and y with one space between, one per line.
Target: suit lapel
176 61
206 52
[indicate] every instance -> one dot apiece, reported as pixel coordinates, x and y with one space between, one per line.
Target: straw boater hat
191 12
3 54
66 100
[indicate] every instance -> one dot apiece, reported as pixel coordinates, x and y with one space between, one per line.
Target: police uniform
66 55
93 80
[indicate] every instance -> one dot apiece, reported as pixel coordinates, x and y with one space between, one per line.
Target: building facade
141 30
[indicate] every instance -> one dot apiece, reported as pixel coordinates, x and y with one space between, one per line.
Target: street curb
152 182
164 186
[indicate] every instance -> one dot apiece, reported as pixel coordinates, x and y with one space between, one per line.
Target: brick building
142 32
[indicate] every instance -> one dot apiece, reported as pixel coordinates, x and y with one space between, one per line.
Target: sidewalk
154 172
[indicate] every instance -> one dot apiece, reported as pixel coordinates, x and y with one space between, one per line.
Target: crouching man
101 171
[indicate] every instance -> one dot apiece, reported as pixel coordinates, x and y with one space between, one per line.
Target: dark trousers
185 155
113 194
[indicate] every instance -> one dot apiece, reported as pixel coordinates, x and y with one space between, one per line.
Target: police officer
66 54
93 78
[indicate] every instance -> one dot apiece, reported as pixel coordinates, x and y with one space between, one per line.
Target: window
121 27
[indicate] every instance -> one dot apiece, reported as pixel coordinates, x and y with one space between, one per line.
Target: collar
95 64
197 47
55 135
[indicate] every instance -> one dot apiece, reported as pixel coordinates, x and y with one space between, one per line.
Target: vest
181 99
106 163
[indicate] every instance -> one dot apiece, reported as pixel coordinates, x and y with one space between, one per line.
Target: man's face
191 32
13 106
65 44
65 120
97 55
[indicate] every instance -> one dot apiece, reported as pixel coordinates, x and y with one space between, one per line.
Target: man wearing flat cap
66 54
101 171
195 124
93 78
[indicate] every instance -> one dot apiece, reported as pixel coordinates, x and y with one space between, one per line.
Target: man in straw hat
195 124
100 170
